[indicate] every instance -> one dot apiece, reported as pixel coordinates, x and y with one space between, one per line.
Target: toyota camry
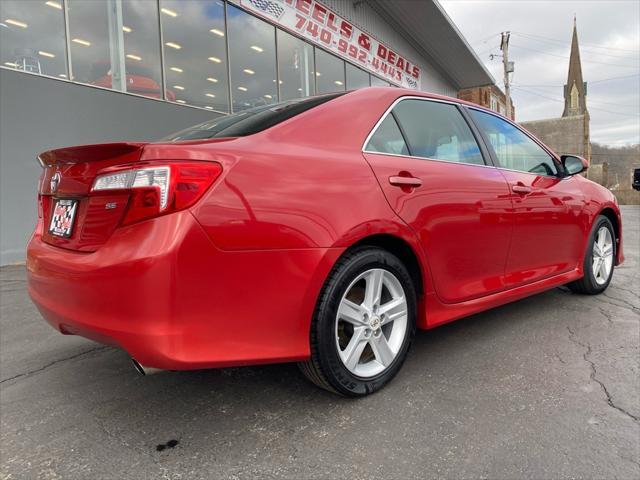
322 231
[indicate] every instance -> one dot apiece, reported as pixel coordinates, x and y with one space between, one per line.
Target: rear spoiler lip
79 153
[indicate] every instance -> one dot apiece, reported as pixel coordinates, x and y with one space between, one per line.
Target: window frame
494 158
480 141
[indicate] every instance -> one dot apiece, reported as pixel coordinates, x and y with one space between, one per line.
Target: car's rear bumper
163 292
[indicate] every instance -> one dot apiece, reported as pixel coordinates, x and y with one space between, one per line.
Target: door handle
521 189
411 182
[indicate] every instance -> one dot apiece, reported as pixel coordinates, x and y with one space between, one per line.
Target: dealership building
78 71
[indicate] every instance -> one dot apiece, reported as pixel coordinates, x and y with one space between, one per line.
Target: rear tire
363 323
599 259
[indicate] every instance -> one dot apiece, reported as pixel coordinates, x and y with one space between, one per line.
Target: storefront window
252 53
356 78
89 39
329 73
295 67
378 82
115 45
142 48
124 44
32 37
195 58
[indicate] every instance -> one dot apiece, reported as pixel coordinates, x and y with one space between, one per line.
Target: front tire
599 259
363 323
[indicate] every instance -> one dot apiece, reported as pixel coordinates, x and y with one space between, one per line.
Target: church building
568 134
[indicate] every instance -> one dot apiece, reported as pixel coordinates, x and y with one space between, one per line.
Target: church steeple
575 90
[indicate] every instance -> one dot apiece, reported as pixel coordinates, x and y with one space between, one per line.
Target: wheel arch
401 249
614 218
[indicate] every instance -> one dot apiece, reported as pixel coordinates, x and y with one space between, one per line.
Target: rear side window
250 121
512 147
437 131
387 139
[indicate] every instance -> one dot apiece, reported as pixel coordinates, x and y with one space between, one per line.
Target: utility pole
508 68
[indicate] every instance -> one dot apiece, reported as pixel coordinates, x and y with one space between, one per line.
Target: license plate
64 214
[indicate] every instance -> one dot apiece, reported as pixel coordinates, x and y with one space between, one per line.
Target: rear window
388 139
250 121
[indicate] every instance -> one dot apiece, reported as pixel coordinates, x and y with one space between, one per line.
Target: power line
590 99
614 78
633 115
602 80
562 101
613 154
485 51
540 86
485 40
612 104
564 42
565 57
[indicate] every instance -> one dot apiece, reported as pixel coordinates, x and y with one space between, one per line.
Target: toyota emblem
55 181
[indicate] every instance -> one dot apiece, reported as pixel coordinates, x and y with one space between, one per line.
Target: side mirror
573 164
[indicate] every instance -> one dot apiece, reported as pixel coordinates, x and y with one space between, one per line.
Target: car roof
407 92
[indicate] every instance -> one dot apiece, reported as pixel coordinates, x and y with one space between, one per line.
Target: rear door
549 231
433 173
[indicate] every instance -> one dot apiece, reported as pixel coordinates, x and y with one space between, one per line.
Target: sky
609 38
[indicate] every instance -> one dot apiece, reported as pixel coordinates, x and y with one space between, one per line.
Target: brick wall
482 96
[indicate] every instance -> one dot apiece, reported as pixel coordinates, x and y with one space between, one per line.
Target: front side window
437 131
513 149
387 139
32 37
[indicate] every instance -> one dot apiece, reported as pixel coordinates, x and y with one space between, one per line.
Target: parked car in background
139 80
322 231
636 179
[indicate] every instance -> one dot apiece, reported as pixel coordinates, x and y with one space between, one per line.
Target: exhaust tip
137 366
144 371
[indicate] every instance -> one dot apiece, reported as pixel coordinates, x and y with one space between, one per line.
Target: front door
432 172
548 236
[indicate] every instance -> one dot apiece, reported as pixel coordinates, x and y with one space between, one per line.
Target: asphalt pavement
547 387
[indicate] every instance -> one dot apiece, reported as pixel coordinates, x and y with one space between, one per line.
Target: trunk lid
67 178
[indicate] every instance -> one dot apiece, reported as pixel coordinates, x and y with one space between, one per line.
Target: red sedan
322 231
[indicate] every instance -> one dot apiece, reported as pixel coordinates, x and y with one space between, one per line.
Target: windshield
250 121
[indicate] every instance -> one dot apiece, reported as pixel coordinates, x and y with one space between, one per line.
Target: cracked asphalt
547 387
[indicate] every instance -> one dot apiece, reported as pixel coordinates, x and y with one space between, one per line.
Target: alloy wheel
371 322
602 259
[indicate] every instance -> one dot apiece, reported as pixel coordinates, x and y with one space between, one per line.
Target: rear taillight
159 189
